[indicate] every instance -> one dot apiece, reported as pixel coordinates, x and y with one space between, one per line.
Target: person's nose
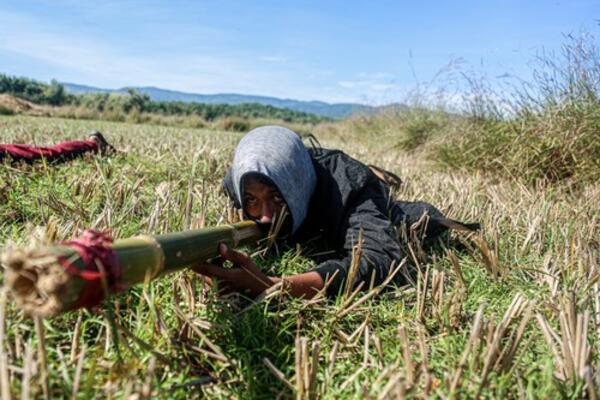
267 212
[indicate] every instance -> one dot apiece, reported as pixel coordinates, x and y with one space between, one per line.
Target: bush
6 111
409 128
419 127
551 131
234 124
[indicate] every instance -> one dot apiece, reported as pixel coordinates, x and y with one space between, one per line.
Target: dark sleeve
380 249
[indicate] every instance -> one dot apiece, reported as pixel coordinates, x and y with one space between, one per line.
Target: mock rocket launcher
49 280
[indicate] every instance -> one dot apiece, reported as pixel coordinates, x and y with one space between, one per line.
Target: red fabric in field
60 151
102 270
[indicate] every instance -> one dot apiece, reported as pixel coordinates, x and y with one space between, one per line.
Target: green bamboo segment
41 286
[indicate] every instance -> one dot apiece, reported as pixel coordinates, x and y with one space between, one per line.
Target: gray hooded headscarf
279 154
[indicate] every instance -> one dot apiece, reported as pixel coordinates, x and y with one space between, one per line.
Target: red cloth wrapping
59 152
100 264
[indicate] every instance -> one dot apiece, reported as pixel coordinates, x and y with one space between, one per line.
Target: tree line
55 94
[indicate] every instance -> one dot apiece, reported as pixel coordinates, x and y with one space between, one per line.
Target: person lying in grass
60 152
331 200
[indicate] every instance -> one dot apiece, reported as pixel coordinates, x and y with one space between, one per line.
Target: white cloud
101 63
97 61
376 82
352 84
274 59
376 75
381 87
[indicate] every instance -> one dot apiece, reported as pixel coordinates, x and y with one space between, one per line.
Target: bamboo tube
42 286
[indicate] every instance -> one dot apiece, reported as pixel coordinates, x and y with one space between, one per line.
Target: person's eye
250 201
277 198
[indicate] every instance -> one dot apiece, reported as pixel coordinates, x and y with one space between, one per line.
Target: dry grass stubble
512 313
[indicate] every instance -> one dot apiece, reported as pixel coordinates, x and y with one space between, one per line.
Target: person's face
262 202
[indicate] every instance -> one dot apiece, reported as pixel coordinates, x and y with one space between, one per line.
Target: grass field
511 313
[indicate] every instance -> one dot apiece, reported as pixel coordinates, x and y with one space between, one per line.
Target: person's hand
244 276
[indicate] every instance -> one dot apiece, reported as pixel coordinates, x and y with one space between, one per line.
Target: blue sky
364 51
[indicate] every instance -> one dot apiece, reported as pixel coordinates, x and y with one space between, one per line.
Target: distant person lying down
64 151
327 199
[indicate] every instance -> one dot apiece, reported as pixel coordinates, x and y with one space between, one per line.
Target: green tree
55 94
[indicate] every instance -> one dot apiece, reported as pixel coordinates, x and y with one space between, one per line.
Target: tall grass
545 130
542 130
405 128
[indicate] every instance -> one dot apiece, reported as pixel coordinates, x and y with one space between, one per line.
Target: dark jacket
348 198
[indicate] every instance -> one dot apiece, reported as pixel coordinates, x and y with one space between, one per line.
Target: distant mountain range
335 110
